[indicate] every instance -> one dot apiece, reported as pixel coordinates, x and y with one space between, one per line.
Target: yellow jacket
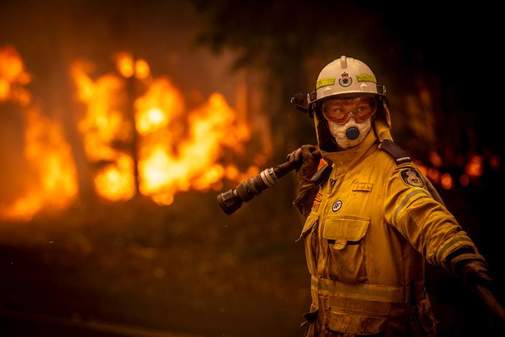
371 226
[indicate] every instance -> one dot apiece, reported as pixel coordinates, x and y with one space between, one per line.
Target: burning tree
149 150
136 134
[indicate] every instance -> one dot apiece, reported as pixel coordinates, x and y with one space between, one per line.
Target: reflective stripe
365 291
466 256
325 82
405 201
460 239
268 176
360 307
401 160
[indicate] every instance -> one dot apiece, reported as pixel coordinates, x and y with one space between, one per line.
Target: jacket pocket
346 249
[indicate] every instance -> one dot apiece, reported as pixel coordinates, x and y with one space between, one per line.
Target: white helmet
346 75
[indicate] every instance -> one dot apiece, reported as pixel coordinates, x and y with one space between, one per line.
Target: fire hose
232 200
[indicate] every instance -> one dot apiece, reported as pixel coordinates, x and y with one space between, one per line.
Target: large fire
142 139
49 157
172 150
136 132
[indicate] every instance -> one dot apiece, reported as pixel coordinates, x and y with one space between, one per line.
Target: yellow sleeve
425 222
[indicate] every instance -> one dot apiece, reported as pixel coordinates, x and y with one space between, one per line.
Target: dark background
137 269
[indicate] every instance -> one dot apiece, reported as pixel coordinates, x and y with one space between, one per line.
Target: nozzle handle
232 200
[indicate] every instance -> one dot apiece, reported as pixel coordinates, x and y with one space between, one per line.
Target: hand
309 157
474 272
476 276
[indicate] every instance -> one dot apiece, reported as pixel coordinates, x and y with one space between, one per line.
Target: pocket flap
345 229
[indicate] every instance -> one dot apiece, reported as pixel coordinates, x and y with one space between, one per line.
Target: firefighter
372 219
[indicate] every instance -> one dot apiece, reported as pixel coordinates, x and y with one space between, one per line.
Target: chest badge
411 177
337 205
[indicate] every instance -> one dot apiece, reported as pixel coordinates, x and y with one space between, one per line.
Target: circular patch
412 177
336 206
345 80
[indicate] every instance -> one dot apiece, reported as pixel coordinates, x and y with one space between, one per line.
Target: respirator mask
349 120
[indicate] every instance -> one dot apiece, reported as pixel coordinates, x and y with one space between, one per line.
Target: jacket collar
344 160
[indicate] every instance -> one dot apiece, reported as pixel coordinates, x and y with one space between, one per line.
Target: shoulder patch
411 177
399 155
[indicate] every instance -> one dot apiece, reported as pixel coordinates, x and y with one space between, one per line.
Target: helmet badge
345 80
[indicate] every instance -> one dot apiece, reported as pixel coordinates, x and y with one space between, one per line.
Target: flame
106 131
13 76
142 69
433 175
103 122
128 67
435 159
213 127
157 107
125 65
49 156
474 167
175 153
115 182
446 181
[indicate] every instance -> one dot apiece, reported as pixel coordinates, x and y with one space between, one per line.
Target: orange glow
212 128
231 172
115 181
161 103
53 182
423 169
106 131
474 167
175 149
175 152
13 76
494 162
50 157
446 181
435 159
142 69
124 64
128 67
433 175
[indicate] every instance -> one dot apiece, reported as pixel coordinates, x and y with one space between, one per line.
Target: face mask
351 133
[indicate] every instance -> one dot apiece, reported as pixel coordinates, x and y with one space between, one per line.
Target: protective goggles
340 115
